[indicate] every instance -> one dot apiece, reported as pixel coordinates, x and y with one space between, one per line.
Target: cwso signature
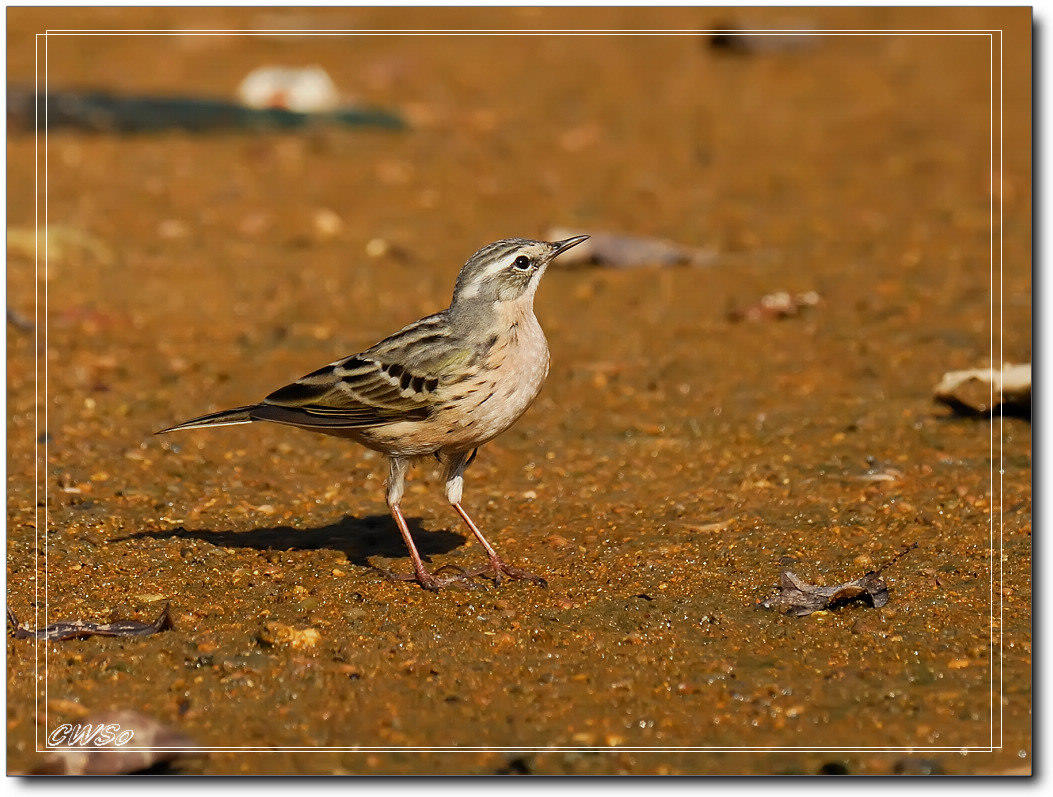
100 735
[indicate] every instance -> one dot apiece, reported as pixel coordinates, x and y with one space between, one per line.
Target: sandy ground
674 464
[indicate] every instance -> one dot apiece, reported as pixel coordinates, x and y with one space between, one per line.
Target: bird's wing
395 380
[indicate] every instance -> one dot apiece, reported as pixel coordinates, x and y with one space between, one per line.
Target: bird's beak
558 247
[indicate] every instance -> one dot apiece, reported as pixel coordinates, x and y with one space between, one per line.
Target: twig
895 559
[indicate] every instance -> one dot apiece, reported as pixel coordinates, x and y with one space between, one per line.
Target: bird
442 386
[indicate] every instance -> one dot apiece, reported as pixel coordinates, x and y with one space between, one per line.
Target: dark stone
916 766
834 768
515 766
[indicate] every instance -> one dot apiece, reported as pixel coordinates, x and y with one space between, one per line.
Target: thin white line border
989 32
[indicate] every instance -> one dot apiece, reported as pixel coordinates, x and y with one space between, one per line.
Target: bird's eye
522 262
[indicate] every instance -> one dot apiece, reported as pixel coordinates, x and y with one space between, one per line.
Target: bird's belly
475 411
500 402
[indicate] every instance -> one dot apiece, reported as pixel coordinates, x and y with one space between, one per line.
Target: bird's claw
433 581
495 569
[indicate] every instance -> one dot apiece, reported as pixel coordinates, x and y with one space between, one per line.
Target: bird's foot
434 581
496 569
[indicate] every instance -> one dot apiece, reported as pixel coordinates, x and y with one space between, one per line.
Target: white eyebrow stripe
496 268
492 270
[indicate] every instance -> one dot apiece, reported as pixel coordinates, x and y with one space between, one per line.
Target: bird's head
508 270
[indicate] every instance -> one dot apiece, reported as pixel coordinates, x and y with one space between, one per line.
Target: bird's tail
224 418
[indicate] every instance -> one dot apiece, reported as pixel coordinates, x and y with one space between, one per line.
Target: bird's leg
498 567
396 488
454 489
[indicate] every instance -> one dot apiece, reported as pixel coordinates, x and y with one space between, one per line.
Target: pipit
442 386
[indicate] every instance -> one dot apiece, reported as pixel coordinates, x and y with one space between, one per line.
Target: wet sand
675 463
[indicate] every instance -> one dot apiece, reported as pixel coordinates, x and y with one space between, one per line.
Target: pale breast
520 366
475 410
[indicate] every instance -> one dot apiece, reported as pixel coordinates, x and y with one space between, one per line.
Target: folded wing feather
393 381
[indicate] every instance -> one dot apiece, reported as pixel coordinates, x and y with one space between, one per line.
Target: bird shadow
359 538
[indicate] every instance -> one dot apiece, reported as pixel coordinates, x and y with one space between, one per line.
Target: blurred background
749 389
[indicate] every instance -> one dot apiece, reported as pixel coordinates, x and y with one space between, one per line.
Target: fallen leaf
736 38
19 321
76 629
619 250
775 306
799 598
983 390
